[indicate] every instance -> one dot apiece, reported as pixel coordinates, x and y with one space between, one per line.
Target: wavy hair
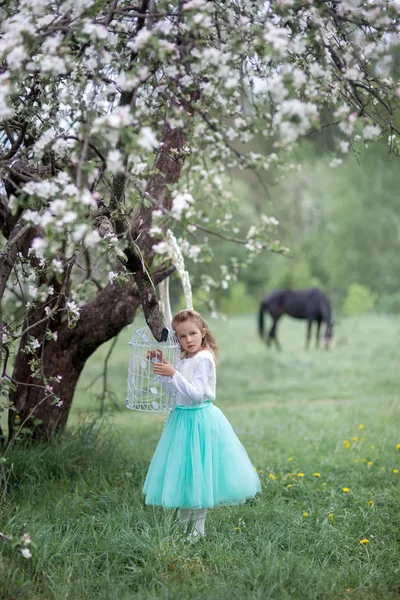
208 342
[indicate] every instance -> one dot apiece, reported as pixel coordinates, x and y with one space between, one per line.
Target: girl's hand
165 369
155 354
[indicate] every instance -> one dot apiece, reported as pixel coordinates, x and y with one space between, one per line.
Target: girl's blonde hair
208 342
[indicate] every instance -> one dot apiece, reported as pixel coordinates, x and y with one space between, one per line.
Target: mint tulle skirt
199 462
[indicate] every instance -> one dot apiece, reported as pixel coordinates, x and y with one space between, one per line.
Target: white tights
197 517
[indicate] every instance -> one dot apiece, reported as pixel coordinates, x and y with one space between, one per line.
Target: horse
311 304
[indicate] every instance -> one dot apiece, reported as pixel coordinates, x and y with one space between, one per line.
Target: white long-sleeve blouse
194 380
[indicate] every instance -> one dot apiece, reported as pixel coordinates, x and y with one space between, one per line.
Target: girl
199 462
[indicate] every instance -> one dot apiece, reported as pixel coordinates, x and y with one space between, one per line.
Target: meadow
321 428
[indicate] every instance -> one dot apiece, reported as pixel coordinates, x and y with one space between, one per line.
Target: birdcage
147 391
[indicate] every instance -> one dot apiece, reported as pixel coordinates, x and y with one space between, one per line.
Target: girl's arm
190 393
195 392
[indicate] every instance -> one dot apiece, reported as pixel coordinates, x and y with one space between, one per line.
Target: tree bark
101 319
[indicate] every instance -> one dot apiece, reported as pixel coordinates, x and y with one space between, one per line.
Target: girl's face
190 336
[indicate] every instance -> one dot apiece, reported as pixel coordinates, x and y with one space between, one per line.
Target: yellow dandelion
272 476
355 439
370 503
317 474
300 474
289 485
261 471
17 418
364 542
305 514
330 516
370 463
395 470
372 447
290 458
237 529
346 444
383 468
361 426
397 446
345 490
324 483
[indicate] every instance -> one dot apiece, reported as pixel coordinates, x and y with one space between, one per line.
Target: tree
121 120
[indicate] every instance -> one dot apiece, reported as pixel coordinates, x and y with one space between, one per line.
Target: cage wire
147 391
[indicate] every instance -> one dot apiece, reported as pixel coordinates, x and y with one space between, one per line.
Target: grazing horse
311 304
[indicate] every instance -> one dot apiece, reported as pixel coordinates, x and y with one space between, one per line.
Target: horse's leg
308 333
272 333
317 336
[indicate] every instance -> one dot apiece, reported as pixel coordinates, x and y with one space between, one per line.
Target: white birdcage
147 391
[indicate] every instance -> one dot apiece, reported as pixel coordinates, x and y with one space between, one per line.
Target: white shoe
195 536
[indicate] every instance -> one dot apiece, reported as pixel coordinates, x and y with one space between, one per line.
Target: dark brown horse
312 305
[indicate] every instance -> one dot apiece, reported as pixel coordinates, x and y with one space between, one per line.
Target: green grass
80 497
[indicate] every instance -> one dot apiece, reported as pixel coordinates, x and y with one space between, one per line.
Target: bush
238 302
359 300
389 303
295 275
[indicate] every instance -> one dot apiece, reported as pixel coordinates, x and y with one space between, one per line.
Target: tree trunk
101 319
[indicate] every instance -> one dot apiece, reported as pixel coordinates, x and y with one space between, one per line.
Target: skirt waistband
205 404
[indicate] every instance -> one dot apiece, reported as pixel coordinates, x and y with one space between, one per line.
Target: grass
80 497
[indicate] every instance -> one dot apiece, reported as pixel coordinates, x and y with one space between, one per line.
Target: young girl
199 463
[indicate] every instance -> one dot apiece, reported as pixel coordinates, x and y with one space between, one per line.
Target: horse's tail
261 320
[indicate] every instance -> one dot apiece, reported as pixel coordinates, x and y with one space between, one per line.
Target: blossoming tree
121 120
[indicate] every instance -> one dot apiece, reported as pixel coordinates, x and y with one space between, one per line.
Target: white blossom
51 64
155 230
58 206
194 4
371 131
114 162
119 117
79 231
147 139
335 162
91 239
96 31
57 265
160 248
38 245
69 217
277 37
140 39
181 204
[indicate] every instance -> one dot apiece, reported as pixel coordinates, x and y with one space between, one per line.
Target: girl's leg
199 519
184 517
